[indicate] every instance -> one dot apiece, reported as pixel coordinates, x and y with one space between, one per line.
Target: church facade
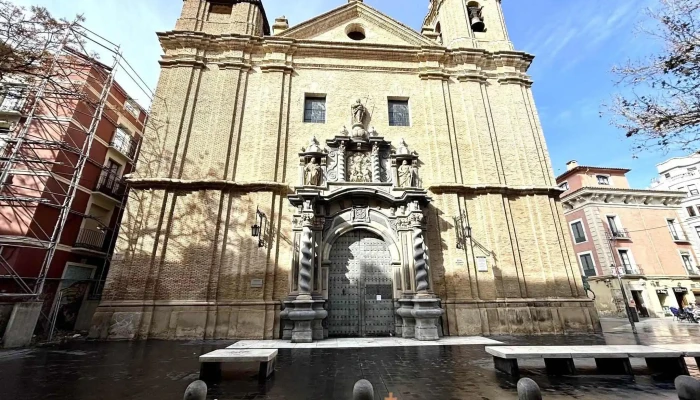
347 176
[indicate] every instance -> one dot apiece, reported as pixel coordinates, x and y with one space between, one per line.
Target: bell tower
221 17
468 23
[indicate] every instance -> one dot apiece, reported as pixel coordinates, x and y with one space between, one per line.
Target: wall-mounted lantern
258 230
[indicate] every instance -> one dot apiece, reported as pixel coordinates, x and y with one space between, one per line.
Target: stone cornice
622 197
466 62
495 189
206 184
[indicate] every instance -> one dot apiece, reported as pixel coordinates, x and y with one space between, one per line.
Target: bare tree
660 105
28 40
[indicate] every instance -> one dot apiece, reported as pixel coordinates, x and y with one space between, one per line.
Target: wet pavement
162 370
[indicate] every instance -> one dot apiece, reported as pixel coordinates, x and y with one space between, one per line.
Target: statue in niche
406 175
359 113
360 168
312 173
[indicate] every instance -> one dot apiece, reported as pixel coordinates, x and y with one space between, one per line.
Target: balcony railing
629 270
619 234
12 98
91 239
124 143
111 185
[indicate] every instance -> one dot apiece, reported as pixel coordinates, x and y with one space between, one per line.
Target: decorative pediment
356 19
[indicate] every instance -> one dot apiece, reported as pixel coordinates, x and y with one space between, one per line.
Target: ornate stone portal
358 183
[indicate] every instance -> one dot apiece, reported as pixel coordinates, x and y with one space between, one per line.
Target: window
603 179
672 228
113 167
315 110
398 113
12 97
667 175
4 138
626 261
564 186
221 8
691 211
587 265
132 108
697 230
693 190
122 141
688 263
579 233
612 223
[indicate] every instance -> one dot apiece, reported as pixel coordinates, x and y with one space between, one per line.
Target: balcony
680 238
623 270
12 100
619 234
111 184
91 239
124 143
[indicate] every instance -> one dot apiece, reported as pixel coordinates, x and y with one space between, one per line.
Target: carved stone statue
312 173
359 113
406 175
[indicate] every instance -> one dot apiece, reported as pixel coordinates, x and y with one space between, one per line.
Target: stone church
344 177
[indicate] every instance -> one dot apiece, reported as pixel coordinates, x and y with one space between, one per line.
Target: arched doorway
360 286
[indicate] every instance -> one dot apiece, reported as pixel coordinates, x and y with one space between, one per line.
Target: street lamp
258 230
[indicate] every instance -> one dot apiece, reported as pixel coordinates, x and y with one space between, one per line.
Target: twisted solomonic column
307 256
341 163
376 171
419 259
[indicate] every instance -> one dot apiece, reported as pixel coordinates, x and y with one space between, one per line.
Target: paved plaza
162 370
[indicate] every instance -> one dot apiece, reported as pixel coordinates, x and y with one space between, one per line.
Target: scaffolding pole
51 148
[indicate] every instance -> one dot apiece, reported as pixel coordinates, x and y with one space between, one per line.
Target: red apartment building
37 185
634 233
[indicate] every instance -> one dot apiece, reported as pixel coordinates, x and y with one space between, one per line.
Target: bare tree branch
662 111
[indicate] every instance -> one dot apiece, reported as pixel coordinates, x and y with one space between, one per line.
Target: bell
478 24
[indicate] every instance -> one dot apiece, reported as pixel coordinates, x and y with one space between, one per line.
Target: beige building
636 234
397 182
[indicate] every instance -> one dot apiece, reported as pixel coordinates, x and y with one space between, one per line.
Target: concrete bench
614 360
210 370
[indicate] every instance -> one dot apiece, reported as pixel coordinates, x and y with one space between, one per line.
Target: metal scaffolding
43 159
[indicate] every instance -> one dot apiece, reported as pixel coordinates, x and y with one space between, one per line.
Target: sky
576 44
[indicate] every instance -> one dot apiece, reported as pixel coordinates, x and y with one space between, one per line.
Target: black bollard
196 391
528 390
687 388
363 390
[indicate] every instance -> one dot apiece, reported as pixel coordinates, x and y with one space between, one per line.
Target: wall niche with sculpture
358 156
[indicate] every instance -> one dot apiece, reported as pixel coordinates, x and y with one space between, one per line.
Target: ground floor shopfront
651 296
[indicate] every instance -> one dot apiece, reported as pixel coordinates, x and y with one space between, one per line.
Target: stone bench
613 360
210 370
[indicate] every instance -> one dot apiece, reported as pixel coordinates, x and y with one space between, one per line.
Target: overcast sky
576 43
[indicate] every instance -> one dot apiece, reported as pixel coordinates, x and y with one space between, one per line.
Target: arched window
476 17
438 30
